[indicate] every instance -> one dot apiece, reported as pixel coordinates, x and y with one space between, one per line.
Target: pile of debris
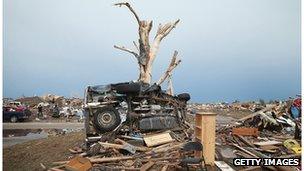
158 151
31 102
226 107
130 126
51 106
269 133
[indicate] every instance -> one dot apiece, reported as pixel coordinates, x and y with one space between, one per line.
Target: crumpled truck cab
131 107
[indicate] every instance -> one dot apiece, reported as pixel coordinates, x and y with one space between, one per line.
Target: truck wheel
132 88
106 119
13 119
184 96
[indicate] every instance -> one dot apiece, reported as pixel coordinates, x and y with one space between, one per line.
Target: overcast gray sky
232 49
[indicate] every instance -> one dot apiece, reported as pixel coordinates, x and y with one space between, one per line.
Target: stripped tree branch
163 31
173 64
130 8
134 43
127 50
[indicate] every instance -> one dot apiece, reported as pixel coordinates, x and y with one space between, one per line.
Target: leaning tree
147 50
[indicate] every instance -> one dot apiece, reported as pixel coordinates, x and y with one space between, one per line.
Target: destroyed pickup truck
132 108
15 114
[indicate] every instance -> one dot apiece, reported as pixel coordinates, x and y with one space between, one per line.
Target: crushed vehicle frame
131 108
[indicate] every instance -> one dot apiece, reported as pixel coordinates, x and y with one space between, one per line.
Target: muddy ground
28 155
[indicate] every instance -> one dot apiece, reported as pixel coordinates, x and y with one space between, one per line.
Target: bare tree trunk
146 52
170 89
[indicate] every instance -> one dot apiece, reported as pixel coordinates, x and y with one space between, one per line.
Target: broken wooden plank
256 113
245 131
244 150
165 167
158 139
269 147
72 151
147 166
57 168
75 150
244 140
137 148
122 146
264 143
110 159
59 162
160 159
43 166
132 149
167 148
223 166
130 137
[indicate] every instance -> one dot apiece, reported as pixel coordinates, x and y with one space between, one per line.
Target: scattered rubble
52 106
271 130
160 152
263 134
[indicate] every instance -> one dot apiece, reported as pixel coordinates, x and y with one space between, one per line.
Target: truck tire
13 119
184 96
132 88
106 119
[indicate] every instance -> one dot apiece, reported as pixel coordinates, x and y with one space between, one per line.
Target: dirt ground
29 155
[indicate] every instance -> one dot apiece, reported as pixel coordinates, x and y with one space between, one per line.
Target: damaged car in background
132 108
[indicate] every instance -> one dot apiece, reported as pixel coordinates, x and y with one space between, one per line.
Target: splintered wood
223 166
267 143
158 139
245 131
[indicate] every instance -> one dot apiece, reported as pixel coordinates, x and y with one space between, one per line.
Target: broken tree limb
137 48
174 62
163 31
127 50
130 8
